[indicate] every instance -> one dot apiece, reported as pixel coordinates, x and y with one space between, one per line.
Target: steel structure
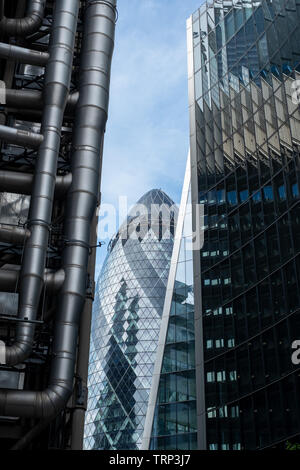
55 59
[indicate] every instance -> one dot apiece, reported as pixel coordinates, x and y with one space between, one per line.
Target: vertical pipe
1 9
56 90
79 410
83 354
88 134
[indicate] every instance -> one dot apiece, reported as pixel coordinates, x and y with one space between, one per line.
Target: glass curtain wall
244 70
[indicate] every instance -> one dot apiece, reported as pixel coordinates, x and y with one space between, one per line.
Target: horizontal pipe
23 55
21 183
23 114
13 234
20 137
25 26
33 99
9 280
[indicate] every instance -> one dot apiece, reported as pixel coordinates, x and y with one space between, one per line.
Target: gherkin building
126 323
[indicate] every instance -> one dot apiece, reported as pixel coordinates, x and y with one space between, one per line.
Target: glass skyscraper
171 421
226 381
126 323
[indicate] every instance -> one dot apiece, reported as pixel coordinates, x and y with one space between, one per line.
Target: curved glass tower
127 312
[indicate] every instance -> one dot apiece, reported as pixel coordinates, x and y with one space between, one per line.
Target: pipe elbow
25 26
31 404
17 352
51 401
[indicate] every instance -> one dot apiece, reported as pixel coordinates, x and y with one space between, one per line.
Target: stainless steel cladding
71 97
27 25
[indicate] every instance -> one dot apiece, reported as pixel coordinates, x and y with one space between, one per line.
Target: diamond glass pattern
126 322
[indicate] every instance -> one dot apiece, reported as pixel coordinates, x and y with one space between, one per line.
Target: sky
147 137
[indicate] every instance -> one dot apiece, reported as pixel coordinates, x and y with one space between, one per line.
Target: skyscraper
244 71
171 420
126 323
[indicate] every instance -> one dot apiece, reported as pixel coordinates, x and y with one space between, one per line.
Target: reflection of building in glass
244 60
127 315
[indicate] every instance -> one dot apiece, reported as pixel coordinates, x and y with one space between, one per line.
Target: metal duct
21 183
15 136
23 55
9 280
33 99
91 116
25 26
13 234
56 90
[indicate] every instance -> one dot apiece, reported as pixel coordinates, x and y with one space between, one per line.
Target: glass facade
126 322
171 421
244 67
175 423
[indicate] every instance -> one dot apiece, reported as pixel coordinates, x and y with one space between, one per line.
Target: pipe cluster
81 186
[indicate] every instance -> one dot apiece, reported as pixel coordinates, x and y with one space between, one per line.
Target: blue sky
147 136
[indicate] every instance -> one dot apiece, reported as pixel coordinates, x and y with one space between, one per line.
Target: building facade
126 323
244 71
171 421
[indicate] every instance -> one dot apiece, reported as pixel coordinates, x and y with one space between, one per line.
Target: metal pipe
25 26
54 280
9 280
1 9
20 137
82 366
21 183
13 234
33 99
91 116
26 440
23 55
56 90
63 183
